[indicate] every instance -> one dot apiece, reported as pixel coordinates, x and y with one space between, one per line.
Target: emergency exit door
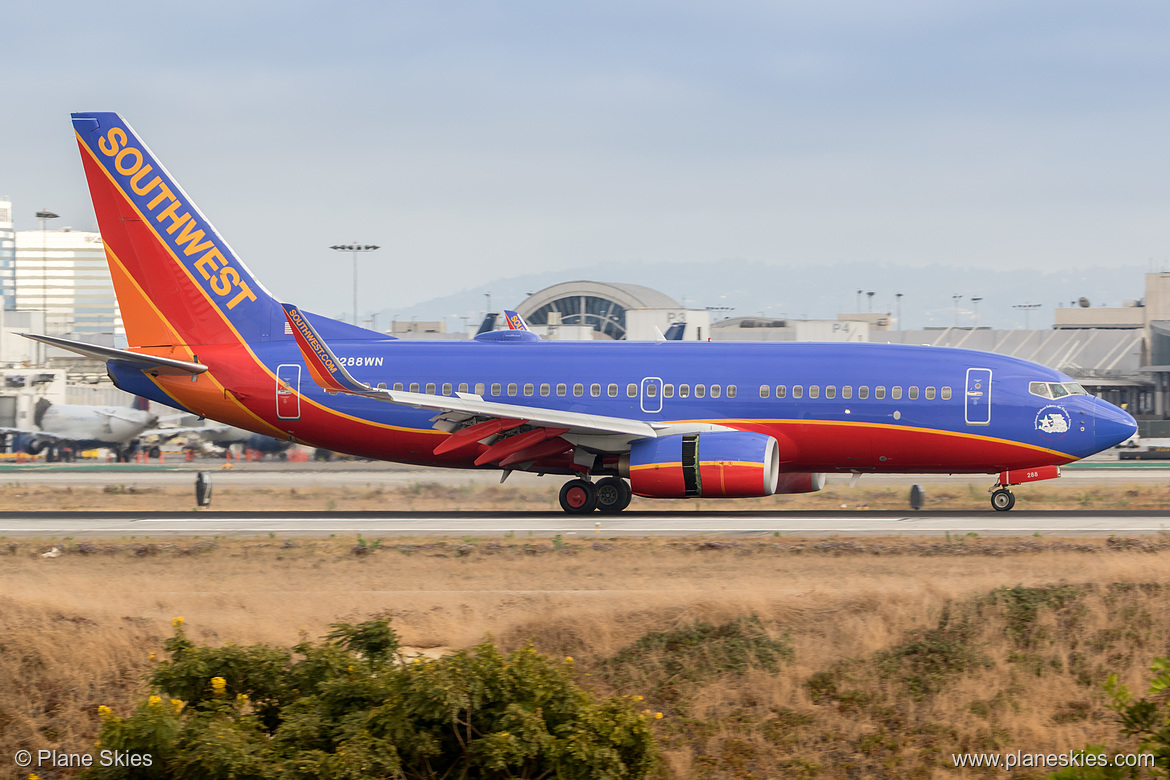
288 391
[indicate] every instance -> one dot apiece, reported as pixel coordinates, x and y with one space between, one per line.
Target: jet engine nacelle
800 482
732 464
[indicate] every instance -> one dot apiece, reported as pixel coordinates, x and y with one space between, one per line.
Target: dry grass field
824 658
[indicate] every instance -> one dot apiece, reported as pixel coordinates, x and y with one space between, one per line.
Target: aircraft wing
157 365
328 372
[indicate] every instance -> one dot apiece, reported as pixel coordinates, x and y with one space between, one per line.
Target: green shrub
350 708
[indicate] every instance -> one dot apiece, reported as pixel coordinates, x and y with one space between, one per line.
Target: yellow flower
178 704
104 711
658 716
241 697
177 622
152 655
350 668
218 684
153 700
569 658
32 776
637 698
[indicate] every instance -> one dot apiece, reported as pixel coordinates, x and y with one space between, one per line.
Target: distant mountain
738 288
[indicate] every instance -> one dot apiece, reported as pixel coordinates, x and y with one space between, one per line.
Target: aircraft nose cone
1112 426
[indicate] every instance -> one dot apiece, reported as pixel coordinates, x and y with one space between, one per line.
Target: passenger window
731 391
847 392
651 390
814 391
612 390
430 388
495 388
781 391
397 385
463 387
545 389
765 391
631 390
684 391
381 385
797 391
896 392
913 393
578 390
595 390
879 392
668 391
715 391
414 387
511 388
930 394
529 388
830 391
946 393
479 388
447 388
700 391
863 392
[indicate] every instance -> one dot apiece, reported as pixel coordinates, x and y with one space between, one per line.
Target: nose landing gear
1003 499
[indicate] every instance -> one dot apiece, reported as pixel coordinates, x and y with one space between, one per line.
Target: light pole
355 247
44 217
1027 307
957 298
870 294
975 304
898 298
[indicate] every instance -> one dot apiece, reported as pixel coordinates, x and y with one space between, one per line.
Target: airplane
63 429
666 419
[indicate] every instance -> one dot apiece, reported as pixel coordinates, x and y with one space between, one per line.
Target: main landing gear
609 495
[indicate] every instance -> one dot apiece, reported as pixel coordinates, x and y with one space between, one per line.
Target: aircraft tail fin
178 282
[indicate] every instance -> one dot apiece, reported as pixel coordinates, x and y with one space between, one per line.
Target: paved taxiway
670 520
543 524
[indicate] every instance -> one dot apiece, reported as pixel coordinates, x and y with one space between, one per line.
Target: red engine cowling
732 464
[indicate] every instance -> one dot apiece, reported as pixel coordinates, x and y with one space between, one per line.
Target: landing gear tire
578 497
1002 500
613 495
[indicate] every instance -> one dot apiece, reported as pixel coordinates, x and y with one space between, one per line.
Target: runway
545 524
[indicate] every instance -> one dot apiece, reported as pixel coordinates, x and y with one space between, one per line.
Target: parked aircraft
677 419
63 429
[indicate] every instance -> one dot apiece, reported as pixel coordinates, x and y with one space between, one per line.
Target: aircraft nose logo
1053 422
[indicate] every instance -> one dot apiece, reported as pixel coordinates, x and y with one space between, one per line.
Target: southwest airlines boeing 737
661 420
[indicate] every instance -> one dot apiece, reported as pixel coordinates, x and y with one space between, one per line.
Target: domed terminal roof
601 305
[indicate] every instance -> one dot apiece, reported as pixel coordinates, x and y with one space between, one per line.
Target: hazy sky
479 140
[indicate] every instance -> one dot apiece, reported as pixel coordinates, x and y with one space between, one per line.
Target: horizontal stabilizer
157 365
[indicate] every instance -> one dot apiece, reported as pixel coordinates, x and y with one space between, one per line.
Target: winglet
323 364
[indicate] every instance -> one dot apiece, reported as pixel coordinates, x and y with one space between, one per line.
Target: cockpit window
1040 389
1056 389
